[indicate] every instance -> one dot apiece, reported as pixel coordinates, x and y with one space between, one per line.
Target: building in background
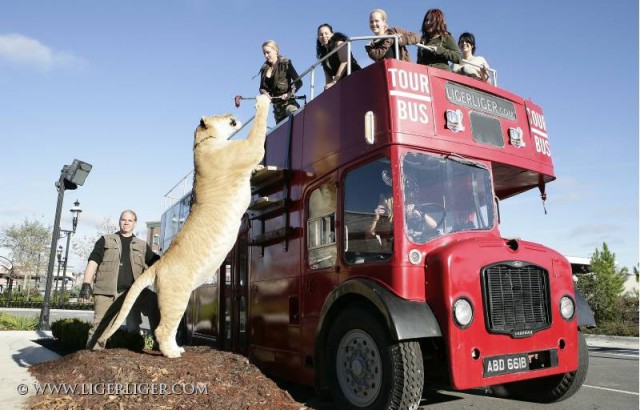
153 235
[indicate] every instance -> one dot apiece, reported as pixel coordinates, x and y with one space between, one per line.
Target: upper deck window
485 111
486 130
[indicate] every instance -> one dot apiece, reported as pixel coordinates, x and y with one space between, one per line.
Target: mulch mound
203 378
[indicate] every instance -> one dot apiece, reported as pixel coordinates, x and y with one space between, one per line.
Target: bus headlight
567 307
462 312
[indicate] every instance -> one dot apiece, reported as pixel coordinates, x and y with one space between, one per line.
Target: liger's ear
203 124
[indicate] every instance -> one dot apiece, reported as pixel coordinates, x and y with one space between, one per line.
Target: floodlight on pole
70 177
76 173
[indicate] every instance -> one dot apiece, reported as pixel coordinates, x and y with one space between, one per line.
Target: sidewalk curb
619 342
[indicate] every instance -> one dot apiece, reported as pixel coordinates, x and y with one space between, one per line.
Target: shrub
74 292
37 304
12 322
72 333
612 328
126 340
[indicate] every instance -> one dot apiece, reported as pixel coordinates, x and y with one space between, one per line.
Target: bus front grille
516 297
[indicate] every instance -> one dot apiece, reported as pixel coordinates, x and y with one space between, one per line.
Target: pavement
18 351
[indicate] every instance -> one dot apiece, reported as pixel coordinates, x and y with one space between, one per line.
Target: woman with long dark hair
335 66
441 48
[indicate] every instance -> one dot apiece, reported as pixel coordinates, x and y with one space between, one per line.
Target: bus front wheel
366 370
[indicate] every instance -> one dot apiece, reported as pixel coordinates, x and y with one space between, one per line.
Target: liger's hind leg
171 312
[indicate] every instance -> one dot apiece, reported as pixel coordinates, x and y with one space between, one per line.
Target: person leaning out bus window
441 48
471 65
334 67
279 79
382 48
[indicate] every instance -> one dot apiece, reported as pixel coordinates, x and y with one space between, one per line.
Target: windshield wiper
462 160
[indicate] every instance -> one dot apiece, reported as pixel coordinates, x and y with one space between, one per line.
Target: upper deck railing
184 186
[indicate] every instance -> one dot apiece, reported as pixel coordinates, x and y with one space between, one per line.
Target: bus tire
366 370
550 389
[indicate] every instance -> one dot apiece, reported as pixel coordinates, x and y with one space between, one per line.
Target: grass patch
12 322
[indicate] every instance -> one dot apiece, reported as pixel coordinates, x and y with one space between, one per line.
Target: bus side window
367 188
321 227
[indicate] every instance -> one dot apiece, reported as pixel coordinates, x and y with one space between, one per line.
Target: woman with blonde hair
279 79
382 48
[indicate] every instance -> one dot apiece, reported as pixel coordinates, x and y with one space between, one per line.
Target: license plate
510 363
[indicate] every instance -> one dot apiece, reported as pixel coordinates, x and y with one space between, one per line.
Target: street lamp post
70 177
75 211
59 256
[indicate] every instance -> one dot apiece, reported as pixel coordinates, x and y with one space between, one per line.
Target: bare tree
26 243
82 247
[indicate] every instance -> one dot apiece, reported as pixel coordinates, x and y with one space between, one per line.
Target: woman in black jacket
279 79
335 67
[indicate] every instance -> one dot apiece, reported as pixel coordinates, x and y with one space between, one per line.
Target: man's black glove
85 291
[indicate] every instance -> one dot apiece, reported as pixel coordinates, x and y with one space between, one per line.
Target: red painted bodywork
408 102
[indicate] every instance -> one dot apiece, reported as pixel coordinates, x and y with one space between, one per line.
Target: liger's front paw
171 350
262 102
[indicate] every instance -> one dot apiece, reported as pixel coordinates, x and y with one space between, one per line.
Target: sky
122 85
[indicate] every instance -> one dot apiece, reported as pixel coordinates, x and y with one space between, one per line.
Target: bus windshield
444 194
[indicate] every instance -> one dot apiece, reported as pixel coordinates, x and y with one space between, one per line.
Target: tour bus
370 263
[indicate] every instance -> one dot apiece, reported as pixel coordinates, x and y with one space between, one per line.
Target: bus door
321 270
233 295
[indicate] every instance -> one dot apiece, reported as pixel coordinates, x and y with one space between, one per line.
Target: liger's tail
144 280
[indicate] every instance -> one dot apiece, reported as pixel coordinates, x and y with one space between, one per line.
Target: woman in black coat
335 67
279 79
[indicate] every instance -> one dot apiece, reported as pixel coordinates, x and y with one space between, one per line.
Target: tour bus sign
477 100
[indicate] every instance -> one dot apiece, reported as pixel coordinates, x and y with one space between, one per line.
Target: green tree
604 286
27 244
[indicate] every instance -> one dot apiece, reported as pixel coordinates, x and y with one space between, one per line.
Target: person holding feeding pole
279 79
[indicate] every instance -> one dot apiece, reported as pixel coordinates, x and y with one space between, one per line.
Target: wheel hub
359 368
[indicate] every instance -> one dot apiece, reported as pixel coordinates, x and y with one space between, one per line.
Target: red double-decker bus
370 263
